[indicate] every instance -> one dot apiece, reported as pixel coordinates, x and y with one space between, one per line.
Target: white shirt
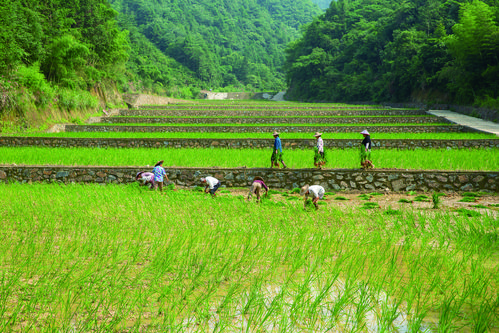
211 181
316 191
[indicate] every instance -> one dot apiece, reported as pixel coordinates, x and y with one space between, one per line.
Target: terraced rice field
80 258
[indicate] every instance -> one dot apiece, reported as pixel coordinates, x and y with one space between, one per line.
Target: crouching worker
315 191
212 184
145 178
256 188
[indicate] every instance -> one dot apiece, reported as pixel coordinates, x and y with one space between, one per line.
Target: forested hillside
387 50
224 43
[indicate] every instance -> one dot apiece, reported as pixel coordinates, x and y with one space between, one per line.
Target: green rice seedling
296 190
422 198
471 194
341 198
274 192
375 193
411 193
403 200
199 188
480 206
285 194
467 212
364 196
494 205
468 199
225 191
329 193
436 199
370 205
391 211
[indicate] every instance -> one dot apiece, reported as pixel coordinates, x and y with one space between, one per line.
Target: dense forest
62 54
386 50
237 44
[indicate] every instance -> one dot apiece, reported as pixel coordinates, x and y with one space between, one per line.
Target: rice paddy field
441 159
122 258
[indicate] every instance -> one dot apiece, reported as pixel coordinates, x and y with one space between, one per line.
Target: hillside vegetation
386 50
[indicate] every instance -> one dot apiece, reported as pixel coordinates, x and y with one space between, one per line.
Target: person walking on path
145 178
277 152
319 157
212 184
315 191
256 188
159 172
365 151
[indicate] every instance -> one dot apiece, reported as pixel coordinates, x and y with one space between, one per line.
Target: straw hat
304 190
317 134
203 180
364 132
139 173
275 133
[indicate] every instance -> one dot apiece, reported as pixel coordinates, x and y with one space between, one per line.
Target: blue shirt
277 144
159 172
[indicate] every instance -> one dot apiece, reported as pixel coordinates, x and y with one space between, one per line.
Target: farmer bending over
256 187
145 178
212 184
315 191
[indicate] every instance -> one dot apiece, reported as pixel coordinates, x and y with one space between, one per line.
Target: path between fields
461 119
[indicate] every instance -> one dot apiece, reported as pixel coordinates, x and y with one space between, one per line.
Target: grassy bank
119 258
440 159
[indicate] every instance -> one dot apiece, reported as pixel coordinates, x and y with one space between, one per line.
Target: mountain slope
224 42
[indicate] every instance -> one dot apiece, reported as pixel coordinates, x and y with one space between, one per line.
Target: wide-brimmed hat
159 163
139 173
304 190
275 133
364 132
203 180
317 134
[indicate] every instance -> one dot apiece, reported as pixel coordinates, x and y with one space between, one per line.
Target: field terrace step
240 143
230 106
331 179
270 129
263 113
277 120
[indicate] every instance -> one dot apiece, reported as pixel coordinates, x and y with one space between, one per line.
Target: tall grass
441 159
120 258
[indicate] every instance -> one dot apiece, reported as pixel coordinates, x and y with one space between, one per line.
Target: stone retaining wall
270 129
260 113
239 143
263 107
283 120
333 179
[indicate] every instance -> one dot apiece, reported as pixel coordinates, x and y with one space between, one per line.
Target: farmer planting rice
212 184
159 173
277 152
315 191
365 151
145 178
256 188
319 157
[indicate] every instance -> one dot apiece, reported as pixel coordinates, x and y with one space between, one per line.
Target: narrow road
461 119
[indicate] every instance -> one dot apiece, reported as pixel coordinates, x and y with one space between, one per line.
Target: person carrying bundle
256 188
319 157
277 152
365 151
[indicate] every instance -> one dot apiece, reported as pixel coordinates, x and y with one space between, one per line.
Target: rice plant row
437 159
